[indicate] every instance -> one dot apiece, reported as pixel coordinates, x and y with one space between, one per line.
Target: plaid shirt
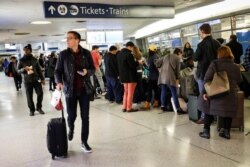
247 58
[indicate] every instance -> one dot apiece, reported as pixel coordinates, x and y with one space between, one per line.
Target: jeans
152 86
71 103
29 86
98 75
114 90
129 89
173 90
201 87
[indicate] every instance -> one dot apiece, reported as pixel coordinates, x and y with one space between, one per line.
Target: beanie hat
152 48
28 47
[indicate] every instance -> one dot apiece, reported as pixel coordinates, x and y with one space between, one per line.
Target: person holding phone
73 64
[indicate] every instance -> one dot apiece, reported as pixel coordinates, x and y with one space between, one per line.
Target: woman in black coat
226 106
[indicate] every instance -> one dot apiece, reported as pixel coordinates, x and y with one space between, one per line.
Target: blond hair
137 53
224 52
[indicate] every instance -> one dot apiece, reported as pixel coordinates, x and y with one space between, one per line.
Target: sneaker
40 111
70 135
32 113
86 148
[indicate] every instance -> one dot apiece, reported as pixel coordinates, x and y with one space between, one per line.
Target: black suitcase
57 142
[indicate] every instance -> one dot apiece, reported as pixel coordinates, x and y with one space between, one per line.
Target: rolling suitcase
57 137
192 107
238 121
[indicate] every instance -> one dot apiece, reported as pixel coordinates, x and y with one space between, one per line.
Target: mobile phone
80 73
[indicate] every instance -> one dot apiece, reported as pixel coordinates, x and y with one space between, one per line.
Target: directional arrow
52 9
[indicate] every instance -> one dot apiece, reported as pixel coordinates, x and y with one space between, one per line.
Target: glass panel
242 21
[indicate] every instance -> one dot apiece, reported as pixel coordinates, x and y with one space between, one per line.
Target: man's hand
59 86
205 97
85 72
27 68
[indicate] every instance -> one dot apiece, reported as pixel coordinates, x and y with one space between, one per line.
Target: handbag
89 88
219 86
56 101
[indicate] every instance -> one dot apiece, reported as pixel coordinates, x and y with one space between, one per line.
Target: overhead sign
96 10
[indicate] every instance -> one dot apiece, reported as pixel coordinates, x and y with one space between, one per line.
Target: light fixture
79 29
41 22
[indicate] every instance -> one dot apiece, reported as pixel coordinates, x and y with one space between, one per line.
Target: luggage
57 142
188 86
238 121
192 104
183 104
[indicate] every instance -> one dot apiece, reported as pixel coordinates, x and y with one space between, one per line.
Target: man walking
31 69
73 65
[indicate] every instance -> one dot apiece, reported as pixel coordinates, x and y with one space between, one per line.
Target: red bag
56 100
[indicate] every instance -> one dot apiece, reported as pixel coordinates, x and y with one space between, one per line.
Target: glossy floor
140 139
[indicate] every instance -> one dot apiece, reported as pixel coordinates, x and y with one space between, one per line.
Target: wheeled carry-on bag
192 107
57 137
238 121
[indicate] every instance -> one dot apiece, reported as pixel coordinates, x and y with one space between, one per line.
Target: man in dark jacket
112 76
72 66
12 68
236 48
205 53
31 69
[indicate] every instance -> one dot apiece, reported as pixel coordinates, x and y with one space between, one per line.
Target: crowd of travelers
131 79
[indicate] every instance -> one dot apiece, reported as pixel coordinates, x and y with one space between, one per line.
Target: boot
225 133
146 106
205 134
156 104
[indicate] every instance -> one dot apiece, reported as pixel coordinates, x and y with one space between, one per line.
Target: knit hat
28 47
152 48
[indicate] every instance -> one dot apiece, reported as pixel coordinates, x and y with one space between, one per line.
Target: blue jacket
65 68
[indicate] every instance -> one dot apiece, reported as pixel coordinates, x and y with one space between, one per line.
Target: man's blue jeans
173 90
201 87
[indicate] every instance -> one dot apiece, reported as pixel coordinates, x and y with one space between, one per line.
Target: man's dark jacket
111 66
236 49
29 60
205 53
65 68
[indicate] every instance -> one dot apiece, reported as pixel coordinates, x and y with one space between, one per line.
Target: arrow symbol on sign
52 9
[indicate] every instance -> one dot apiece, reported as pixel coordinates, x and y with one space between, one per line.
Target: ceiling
16 15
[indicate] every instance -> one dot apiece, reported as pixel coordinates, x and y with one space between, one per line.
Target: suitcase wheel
53 157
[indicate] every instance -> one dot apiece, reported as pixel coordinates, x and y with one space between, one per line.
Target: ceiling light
79 29
40 22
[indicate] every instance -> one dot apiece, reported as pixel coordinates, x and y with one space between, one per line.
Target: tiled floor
141 139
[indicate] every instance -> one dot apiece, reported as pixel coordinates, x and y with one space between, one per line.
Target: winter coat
169 69
127 66
111 66
236 49
153 71
51 66
205 53
224 106
30 61
65 68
